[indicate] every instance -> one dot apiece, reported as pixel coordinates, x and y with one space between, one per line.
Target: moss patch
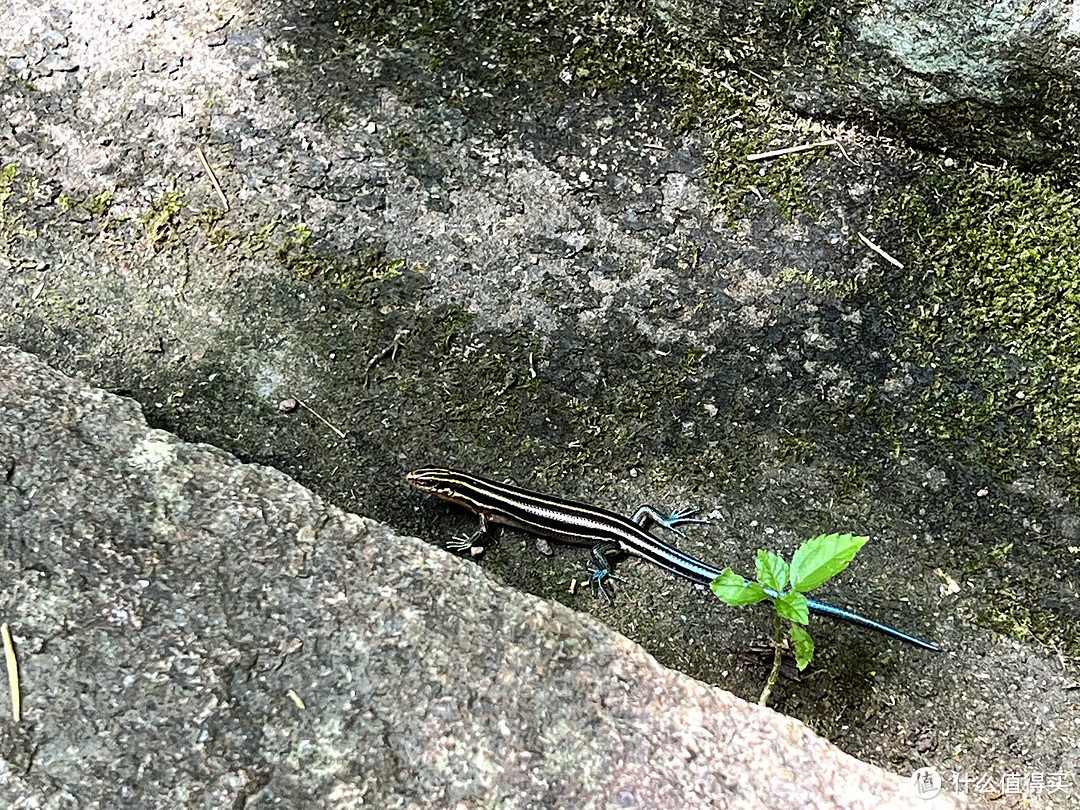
159 221
371 265
991 302
989 306
14 184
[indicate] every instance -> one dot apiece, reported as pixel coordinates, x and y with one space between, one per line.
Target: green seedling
814 562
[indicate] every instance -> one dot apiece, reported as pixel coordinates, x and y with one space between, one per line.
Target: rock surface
193 631
974 78
451 254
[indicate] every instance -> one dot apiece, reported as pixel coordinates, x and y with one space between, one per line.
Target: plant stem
777 658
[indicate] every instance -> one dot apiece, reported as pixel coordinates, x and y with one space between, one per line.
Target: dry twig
390 350
320 417
791 150
13 672
881 252
213 177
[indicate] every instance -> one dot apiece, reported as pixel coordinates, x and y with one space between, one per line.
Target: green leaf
729 587
822 557
792 606
804 646
772 571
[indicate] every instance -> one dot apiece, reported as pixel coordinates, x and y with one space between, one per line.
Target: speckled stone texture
999 71
197 632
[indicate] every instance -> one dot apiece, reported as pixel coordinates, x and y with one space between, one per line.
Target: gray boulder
984 79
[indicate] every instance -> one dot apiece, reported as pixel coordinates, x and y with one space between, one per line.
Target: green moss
852 481
9 177
296 255
1019 619
158 222
452 322
300 235
991 302
349 275
252 242
692 361
13 182
500 396
259 239
828 286
733 179
798 449
1000 552
99 204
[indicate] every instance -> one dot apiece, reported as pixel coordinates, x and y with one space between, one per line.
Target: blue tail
862 621
815 606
